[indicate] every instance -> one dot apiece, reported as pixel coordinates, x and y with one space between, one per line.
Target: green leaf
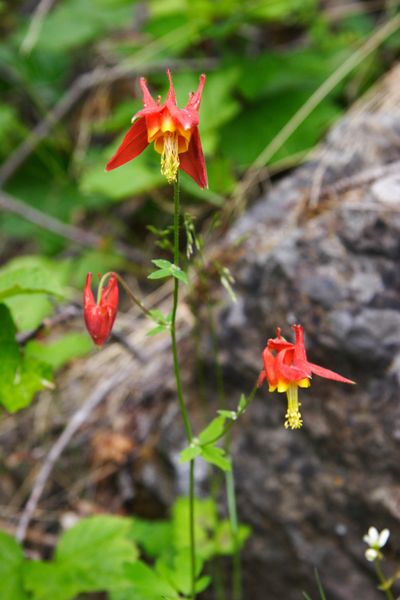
224 540
216 456
202 583
167 269
49 580
27 281
157 330
213 431
92 556
98 543
12 559
162 264
77 22
160 274
153 536
147 584
179 274
131 179
21 376
30 306
228 414
267 117
59 352
205 523
189 454
178 570
242 403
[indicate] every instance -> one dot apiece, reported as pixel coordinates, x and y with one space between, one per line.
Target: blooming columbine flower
286 368
173 130
375 541
100 316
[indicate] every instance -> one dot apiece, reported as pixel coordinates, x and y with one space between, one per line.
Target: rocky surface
333 267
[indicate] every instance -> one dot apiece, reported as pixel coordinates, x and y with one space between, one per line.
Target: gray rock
311 494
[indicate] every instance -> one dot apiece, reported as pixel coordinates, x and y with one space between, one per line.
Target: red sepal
192 161
133 144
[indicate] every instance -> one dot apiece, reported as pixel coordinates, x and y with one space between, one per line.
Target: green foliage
146 584
101 553
168 269
14 282
89 557
77 22
204 445
12 559
21 375
163 322
29 285
59 352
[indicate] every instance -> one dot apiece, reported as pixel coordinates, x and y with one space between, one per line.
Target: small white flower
375 541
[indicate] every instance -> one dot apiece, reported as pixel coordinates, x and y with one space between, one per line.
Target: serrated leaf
216 456
178 570
12 559
46 580
153 536
92 556
189 454
96 539
147 584
205 521
213 431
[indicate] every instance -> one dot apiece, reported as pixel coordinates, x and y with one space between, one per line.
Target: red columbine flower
173 130
286 368
100 316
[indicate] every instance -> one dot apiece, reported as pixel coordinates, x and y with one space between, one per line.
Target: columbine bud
99 317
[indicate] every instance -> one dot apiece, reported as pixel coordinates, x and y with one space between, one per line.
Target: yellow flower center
293 416
170 156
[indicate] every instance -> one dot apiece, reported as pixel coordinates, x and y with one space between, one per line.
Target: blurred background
280 75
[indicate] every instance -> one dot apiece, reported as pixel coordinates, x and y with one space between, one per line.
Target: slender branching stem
382 580
239 413
182 405
126 287
229 475
237 565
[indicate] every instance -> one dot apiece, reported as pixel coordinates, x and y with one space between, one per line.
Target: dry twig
35 25
70 232
78 418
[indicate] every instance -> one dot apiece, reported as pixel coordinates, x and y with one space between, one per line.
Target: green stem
237 567
382 580
126 288
192 532
182 405
229 478
239 414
